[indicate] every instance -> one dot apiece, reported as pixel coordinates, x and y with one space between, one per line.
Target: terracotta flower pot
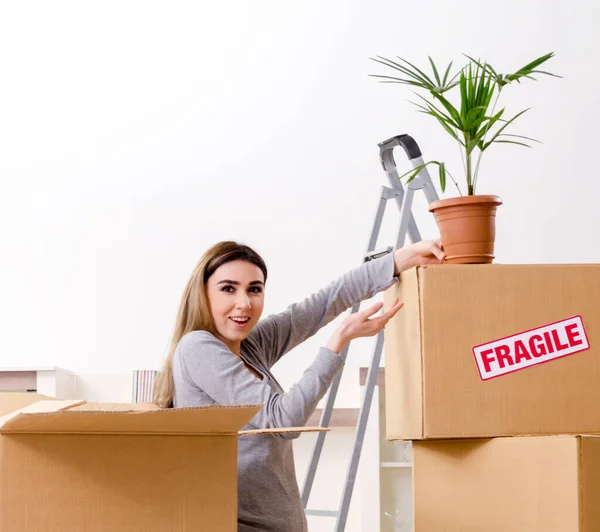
467 227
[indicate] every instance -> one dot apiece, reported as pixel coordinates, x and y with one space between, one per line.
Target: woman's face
235 292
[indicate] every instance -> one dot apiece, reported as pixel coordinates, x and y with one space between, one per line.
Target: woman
221 354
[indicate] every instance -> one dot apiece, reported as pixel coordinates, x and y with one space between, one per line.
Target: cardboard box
517 484
493 350
75 466
11 401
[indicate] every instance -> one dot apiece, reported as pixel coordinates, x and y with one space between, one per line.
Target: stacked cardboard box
492 371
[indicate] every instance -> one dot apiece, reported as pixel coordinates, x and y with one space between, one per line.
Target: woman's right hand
360 324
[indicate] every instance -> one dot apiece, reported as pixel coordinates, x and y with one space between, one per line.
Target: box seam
580 482
421 356
112 433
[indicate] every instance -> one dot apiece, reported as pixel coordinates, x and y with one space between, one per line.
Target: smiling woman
236 296
222 353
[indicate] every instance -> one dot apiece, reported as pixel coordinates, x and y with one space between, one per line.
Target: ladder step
378 253
322 513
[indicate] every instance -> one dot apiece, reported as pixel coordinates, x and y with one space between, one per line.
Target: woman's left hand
418 254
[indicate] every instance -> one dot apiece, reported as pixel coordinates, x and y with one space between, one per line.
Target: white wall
133 135
136 134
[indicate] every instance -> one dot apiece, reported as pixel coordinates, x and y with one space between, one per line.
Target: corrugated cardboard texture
283 430
64 483
213 420
117 407
462 306
519 484
590 483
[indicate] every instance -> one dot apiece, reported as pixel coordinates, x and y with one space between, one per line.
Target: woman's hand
418 254
360 324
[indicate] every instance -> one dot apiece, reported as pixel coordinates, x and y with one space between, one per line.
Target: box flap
11 401
117 407
284 430
183 421
39 407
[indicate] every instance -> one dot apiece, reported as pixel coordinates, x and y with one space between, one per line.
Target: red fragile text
530 348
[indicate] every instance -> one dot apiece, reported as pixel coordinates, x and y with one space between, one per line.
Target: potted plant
466 222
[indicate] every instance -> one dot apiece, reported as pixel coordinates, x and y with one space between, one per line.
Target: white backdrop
133 135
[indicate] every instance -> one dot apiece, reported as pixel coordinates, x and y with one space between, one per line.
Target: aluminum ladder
404 199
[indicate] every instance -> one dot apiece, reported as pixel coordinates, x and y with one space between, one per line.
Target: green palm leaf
473 118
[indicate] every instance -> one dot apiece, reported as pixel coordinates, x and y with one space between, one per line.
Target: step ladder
404 198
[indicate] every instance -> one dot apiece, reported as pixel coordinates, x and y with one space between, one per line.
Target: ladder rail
361 428
407 227
386 194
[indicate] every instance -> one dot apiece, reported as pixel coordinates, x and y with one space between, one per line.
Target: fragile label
529 348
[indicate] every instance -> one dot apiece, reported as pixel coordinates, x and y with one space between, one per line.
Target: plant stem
476 170
462 160
455 183
469 178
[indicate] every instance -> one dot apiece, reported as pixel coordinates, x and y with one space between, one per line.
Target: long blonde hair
194 310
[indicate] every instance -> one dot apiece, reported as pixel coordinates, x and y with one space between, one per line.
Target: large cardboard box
71 466
493 350
516 484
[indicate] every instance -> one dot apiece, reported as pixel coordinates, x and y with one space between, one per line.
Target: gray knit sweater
206 372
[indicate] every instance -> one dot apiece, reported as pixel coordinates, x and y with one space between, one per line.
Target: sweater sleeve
211 366
279 333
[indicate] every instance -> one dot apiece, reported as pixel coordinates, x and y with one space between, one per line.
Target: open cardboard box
75 466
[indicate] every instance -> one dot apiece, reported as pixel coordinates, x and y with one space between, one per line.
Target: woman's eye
230 289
